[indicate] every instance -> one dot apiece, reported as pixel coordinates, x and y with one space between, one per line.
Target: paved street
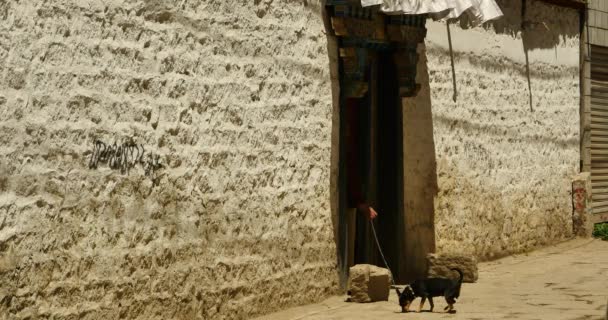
566 281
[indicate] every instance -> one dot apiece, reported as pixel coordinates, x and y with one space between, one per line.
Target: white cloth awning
479 10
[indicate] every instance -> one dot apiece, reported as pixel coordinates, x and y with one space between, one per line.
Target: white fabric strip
480 10
485 10
367 3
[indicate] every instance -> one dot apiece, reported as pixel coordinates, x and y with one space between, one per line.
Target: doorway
382 138
373 162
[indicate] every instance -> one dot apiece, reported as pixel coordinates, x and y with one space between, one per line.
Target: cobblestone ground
566 281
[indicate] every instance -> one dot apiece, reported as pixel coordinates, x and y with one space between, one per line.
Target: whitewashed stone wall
504 171
234 97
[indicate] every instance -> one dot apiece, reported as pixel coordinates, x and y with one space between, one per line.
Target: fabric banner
479 10
367 3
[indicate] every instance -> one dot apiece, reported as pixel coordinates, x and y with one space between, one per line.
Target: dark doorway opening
372 155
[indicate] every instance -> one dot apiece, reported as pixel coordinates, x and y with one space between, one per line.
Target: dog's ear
408 290
398 292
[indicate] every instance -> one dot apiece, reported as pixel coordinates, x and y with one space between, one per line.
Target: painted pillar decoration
361 31
581 203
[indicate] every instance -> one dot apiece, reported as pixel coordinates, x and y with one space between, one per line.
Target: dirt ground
566 281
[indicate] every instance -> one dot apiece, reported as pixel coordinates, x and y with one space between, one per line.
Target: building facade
234 99
595 107
181 159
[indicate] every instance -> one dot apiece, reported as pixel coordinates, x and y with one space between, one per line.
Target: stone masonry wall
234 97
504 171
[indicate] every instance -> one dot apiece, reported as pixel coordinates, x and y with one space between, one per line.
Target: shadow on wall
540 26
499 131
471 215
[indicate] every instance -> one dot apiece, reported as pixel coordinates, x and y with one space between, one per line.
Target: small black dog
429 288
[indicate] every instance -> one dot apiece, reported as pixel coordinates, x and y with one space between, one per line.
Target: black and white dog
429 288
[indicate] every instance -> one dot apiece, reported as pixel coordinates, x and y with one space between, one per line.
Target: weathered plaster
236 99
504 171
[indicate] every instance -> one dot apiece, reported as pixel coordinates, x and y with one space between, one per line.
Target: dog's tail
458 284
459 273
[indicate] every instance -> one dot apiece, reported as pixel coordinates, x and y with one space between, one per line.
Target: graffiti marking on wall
124 157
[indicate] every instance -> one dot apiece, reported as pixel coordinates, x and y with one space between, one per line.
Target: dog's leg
421 303
447 300
432 304
450 302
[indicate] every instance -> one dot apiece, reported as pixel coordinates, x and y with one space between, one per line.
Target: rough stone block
16 78
368 283
440 265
